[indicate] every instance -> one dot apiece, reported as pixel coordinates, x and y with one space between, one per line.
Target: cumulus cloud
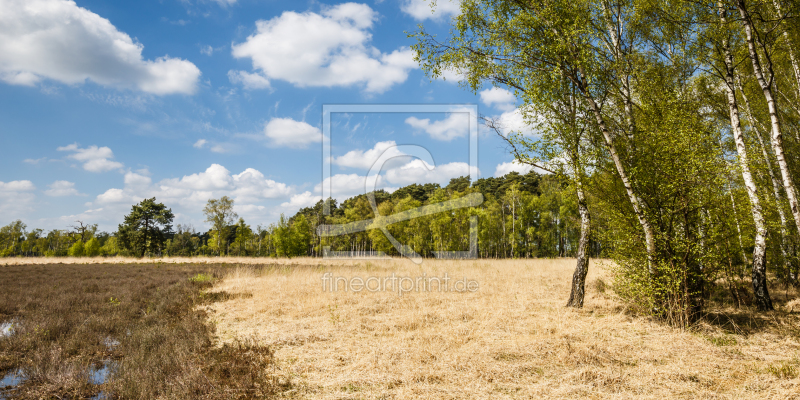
199 144
455 125
344 186
93 158
16 186
422 10
507 167
249 186
500 98
286 132
247 80
328 49
364 159
61 189
453 76
301 200
515 121
16 198
418 171
56 39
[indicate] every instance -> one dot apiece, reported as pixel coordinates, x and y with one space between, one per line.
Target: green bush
77 249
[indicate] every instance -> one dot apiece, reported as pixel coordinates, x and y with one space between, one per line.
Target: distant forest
522 216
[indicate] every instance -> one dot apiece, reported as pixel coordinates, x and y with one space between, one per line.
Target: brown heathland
513 338
141 321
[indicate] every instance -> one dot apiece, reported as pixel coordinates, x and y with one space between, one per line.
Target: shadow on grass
737 315
138 321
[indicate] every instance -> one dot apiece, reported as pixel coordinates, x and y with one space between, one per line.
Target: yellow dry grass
513 338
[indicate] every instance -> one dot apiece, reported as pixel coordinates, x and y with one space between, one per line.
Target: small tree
77 249
92 248
220 214
244 234
146 228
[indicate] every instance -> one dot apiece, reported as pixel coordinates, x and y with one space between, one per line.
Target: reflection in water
11 380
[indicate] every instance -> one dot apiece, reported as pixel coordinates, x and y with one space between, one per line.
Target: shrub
77 249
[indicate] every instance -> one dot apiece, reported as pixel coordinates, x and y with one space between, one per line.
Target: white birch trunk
766 87
760 290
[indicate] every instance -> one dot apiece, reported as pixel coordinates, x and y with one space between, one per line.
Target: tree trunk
776 190
738 228
582 267
760 289
790 46
766 88
636 202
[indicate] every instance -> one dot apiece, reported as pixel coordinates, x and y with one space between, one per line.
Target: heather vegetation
128 332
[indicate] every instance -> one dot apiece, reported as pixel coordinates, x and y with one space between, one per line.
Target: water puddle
7 329
98 376
10 381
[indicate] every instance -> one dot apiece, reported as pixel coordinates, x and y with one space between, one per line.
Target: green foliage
146 228
219 212
201 278
77 250
92 248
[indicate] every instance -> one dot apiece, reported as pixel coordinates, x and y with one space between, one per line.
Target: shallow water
6 329
10 381
98 376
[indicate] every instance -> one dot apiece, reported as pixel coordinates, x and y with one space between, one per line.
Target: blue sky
105 103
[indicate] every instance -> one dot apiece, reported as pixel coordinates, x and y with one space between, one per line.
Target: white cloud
250 186
418 171
500 98
16 198
455 125
94 159
506 167
421 9
35 161
344 186
56 39
327 49
298 201
215 177
199 144
286 132
365 159
61 189
16 186
115 196
136 180
515 121
453 76
207 50
247 80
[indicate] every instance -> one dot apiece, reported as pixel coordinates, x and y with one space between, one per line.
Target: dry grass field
512 338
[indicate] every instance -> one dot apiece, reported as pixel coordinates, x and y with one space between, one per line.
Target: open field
120 331
513 338
268 328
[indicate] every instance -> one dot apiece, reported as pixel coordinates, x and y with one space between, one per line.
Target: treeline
522 216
